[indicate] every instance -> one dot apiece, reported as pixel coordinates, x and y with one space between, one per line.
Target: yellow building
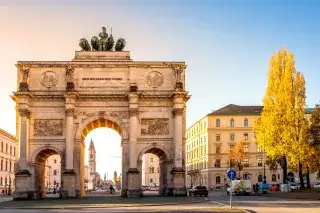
210 140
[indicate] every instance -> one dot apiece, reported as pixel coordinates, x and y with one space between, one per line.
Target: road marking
218 203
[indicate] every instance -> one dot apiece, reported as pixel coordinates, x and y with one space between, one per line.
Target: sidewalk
296 195
5 198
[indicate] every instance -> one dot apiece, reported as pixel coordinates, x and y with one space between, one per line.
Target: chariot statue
102 42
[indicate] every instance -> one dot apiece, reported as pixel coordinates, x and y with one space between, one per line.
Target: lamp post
264 161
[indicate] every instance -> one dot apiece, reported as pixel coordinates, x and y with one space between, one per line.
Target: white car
316 186
294 186
240 187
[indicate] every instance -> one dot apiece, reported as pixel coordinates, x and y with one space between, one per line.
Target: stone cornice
101 64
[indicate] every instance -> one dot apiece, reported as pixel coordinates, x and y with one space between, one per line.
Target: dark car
198 190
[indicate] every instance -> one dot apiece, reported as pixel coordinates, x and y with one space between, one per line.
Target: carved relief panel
48 127
154 126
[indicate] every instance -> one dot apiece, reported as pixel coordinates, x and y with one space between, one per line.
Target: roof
7 134
91 145
233 109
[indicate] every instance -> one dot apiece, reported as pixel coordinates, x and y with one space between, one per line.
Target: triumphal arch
59 102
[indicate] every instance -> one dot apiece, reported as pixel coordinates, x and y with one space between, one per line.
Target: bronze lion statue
84 44
121 43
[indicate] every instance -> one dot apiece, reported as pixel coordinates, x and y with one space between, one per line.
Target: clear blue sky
226 44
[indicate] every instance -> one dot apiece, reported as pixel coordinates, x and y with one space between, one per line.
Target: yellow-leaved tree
281 128
237 156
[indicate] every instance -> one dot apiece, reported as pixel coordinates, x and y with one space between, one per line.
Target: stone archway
58 103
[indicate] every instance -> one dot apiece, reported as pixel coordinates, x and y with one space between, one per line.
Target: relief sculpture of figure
25 74
69 77
177 72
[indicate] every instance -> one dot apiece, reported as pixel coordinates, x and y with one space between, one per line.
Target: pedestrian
2 191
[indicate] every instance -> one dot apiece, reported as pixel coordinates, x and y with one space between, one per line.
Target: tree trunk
301 177
284 169
308 178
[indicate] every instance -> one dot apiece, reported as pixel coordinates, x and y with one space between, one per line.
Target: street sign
231 174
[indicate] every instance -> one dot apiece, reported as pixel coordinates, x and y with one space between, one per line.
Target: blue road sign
231 174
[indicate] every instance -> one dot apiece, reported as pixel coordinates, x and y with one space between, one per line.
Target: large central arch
60 102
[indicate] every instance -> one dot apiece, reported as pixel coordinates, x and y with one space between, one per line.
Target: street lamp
264 161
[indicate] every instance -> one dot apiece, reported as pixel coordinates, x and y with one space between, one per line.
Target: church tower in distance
92 163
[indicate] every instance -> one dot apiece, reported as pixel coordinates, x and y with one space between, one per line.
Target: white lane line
218 203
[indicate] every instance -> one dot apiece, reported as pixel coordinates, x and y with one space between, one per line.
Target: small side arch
50 150
159 150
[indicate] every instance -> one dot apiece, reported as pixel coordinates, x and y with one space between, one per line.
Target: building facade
53 172
210 140
150 170
8 154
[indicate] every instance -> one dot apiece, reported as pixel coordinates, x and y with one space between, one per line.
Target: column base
134 189
23 186
68 184
179 182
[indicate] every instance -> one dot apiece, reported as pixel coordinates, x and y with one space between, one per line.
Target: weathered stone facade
60 102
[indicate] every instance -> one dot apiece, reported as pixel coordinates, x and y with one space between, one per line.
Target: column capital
69 112
24 112
133 112
177 111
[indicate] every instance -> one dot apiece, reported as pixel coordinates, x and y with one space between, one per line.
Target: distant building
92 165
8 156
53 172
150 170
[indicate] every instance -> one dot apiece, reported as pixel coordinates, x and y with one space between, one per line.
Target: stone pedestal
23 186
23 87
134 189
68 189
179 182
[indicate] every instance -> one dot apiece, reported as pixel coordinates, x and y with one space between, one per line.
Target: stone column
24 184
134 189
69 139
178 172
24 137
68 182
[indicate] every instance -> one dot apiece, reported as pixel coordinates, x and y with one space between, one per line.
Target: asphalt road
266 204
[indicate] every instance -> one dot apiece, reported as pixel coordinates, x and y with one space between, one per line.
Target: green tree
282 127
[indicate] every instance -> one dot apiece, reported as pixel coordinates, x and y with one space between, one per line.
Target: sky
226 44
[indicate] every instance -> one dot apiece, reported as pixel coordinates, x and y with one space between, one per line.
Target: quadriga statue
102 43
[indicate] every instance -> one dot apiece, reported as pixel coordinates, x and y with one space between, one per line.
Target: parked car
316 186
294 186
198 190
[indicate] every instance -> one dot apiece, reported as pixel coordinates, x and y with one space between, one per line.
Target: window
260 178
1 146
54 182
218 149
279 176
218 180
246 162
151 159
259 148
10 166
231 122
274 178
205 139
10 150
255 135
217 137
1 164
245 148
259 161
54 161
246 177
1 181
6 165
158 170
217 164
232 136
246 122
217 122
14 151
91 155
151 180
245 136
151 170
54 173
6 148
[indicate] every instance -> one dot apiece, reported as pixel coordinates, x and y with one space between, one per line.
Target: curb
242 209
100 207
